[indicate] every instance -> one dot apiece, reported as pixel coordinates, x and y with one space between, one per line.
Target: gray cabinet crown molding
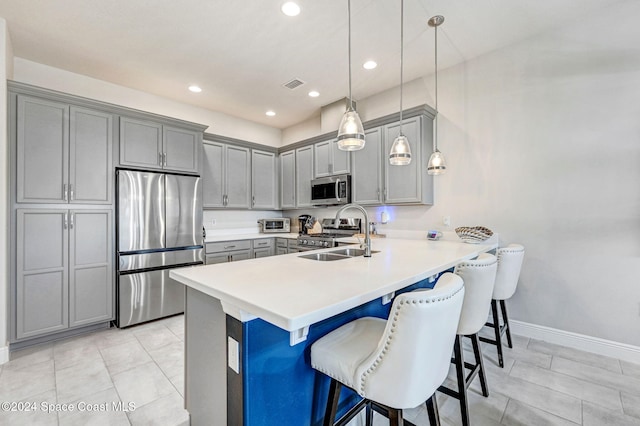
238 142
28 89
424 110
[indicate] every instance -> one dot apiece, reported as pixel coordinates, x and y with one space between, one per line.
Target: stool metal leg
432 409
395 417
496 329
332 402
462 381
369 415
505 319
477 351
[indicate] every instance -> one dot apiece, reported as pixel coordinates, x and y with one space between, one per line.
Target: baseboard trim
582 342
4 354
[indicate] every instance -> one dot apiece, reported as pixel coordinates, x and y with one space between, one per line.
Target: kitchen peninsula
249 325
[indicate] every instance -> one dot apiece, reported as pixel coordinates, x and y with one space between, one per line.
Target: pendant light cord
401 57
349 13
435 130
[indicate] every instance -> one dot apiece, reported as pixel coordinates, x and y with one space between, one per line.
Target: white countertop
292 292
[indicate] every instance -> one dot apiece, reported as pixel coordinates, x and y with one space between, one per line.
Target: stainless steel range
330 234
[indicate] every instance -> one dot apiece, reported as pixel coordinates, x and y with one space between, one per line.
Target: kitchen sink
345 253
324 257
351 252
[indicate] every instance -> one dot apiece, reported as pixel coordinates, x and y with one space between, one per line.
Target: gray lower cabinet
329 160
150 144
227 176
227 251
304 175
281 246
263 247
288 180
64 270
367 165
264 188
64 153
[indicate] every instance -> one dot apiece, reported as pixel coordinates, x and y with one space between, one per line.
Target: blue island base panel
279 386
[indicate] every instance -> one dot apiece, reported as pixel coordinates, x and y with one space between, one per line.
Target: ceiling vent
293 83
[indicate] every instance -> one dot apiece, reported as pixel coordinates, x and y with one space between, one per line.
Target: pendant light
400 154
350 132
436 165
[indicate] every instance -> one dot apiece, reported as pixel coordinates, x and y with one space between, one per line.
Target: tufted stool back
479 276
414 353
509 266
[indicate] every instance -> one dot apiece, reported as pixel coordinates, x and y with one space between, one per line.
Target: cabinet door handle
65 223
71 221
253 200
165 159
64 192
230 257
71 191
160 159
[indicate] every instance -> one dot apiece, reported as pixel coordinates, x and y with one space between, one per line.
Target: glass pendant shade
400 154
350 132
436 165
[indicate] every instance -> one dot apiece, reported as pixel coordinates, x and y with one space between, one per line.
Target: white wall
6 60
542 144
64 81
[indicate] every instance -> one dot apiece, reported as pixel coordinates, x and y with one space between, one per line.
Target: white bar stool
509 266
396 363
479 276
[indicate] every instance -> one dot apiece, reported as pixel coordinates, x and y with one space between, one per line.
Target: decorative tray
473 234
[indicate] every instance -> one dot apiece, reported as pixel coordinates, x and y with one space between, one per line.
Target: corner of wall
6 69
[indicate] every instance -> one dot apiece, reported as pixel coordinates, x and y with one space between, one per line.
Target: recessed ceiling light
314 94
195 89
270 113
290 9
369 65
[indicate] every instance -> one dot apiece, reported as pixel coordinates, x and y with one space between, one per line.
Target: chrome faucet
367 237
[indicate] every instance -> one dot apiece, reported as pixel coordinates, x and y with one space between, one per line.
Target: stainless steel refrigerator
159 228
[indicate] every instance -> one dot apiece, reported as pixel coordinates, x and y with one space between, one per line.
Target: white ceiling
241 52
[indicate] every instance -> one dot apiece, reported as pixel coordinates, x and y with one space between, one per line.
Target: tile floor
541 384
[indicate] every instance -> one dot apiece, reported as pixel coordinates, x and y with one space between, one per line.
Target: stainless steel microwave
275 225
331 190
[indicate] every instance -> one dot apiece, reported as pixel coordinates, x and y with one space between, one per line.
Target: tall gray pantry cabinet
64 151
63 255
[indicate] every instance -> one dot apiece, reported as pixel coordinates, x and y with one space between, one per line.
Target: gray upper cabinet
64 270
90 156
148 144
140 143
42 151
288 180
64 154
408 184
366 171
213 174
304 175
329 160
182 149
263 180
227 176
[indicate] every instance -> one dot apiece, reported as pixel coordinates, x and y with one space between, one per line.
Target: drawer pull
229 247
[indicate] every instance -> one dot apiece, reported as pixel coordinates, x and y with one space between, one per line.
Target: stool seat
339 354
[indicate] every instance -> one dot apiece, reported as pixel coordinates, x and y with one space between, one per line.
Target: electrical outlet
233 354
213 222
446 220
